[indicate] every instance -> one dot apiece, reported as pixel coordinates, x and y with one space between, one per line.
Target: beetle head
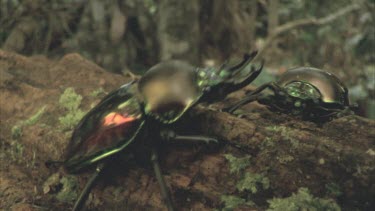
169 89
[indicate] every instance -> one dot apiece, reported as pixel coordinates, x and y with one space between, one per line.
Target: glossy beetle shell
332 90
105 130
165 92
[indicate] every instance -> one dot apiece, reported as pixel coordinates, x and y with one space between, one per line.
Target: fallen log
264 155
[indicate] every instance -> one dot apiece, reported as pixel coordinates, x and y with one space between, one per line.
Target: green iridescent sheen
297 104
210 76
224 74
302 90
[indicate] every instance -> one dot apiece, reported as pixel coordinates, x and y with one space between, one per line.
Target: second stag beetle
311 93
141 114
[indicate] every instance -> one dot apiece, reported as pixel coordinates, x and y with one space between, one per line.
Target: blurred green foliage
347 39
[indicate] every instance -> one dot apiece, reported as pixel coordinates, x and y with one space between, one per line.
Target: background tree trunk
225 29
252 21
178 30
273 20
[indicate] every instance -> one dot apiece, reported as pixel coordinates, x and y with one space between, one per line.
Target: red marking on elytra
116 119
115 128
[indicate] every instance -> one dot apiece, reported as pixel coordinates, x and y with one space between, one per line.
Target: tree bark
333 160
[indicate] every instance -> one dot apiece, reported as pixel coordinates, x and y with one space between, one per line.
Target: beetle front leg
159 176
331 112
247 99
171 136
82 198
252 96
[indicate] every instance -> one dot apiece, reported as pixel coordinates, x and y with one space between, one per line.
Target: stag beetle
311 93
149 106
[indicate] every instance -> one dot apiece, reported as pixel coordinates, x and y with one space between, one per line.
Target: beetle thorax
169 90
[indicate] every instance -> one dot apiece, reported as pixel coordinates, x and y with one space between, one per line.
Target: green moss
237 164
65 187
18 128
34 118
16 152
252 182
231 202
294 142
32 162
285 158
17 148
71 119
16 131
97 92
273 128
70 101
52 183
68 193
267 143
302 200
286 133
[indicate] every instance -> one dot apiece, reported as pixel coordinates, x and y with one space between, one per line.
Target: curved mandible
218 83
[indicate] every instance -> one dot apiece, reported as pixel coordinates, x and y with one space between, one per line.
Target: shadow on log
265 155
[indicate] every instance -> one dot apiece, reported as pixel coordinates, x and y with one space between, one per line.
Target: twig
305 22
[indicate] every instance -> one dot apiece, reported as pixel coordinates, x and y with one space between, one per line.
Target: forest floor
271 161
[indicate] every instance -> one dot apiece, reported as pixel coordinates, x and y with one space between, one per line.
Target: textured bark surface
289 152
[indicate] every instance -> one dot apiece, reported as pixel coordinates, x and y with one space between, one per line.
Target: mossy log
264 155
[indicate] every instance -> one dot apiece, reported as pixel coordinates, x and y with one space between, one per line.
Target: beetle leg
247 99
252 96
196 139
82 198
335 112
171 136
160 179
